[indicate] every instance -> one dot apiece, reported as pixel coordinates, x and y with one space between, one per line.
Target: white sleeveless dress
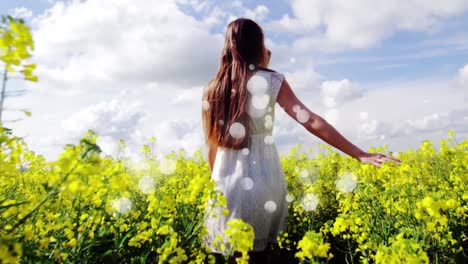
252 180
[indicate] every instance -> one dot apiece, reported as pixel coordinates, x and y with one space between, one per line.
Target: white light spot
363 115
146 184
296 169
233 91
289 198
260 101
254 112
395 154
205 105
254 162
257 85
247 183
382 137
268 124
168 166
270 206
302 116
309 202
144 166
296 108
245 151
269 109
346 182
237 130
268 139
221 122
308 176
292 60
268 117
122 205
251 67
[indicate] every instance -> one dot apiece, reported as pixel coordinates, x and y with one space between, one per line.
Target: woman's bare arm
318 126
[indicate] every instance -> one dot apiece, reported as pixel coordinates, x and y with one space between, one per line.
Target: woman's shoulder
265 69
268 70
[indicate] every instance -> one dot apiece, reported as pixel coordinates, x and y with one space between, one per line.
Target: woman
238 110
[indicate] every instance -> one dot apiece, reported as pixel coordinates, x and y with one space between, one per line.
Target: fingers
394 160
383 158
378 159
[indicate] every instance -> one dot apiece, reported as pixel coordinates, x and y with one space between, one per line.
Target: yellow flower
164 230
430 226
28 232
240 237
72 242
312 246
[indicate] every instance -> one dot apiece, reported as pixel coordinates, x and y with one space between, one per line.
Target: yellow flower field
86 207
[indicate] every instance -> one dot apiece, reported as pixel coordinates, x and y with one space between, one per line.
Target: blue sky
36 6
439 52
380 73
390 59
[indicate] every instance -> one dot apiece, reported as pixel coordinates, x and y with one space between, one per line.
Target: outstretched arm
322 129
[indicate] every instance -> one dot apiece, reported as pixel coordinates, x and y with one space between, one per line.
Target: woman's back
252 179
263 89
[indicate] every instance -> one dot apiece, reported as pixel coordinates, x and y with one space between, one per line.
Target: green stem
3 92
350 252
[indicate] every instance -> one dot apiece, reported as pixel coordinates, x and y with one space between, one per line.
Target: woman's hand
376 159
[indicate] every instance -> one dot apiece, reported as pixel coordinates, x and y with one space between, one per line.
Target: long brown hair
224 99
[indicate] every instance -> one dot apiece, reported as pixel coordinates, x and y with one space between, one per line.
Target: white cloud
305 78
214 17
214 11
463 76
429 122
339 92
372 129
363 115
128 42
338 25
135 128
188 96
438 121
172 134
21 12
287 24
116 119
401 114
259 13
198 5
332 116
